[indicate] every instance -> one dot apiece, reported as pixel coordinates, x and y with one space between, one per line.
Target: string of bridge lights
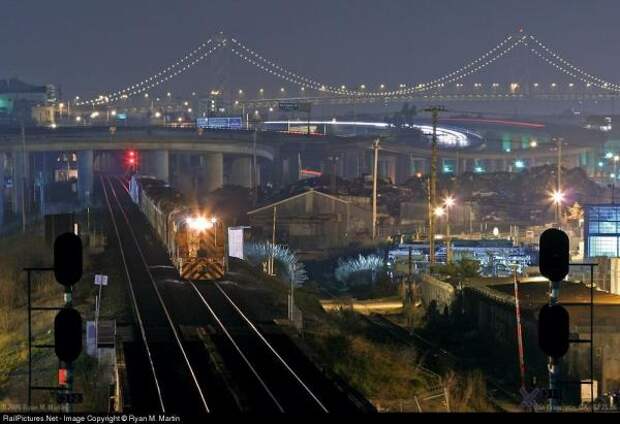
144 89
604 83
158 78
169 72
589 82
562 69
249 55
277 70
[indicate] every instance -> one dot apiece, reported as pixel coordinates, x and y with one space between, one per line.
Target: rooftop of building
532 295
15 85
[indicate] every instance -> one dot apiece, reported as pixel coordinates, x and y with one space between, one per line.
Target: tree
461 270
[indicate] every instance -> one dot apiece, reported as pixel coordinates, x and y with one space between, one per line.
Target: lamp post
557 197
375 147
448 202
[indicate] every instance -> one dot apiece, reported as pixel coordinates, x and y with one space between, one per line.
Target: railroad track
269 381
177 389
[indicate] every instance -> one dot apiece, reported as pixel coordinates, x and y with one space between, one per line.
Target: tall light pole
558 189
557 197
375 147
273 244
613 183
448 203
434 110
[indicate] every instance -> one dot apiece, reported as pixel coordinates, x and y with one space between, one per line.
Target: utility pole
24 180
448 237
273 244
375 147
559 188
434 110
519 327
254 169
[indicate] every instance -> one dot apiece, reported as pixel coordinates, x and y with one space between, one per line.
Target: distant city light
478 169
609 155
519 164
439 211
533 143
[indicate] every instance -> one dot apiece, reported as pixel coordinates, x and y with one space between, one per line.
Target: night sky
88 46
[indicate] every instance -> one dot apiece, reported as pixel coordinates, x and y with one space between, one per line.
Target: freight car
194 238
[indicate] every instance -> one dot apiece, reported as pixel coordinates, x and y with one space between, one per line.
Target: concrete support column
85 175
352 165
387 168
3 170
160 164
242 172
214 172
403 168
21 181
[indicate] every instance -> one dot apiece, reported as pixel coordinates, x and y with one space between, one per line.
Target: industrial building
490 309
20 100
313 221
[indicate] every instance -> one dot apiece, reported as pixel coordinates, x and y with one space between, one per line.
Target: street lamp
557 197
449 203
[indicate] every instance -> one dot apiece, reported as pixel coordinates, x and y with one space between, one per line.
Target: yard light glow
557 197
449 201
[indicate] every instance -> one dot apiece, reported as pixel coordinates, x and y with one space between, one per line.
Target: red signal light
63 376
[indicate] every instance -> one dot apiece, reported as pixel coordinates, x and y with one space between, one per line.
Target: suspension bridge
577 83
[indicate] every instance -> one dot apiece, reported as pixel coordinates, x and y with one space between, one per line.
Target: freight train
195 239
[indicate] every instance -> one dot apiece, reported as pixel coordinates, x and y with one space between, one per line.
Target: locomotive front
201 245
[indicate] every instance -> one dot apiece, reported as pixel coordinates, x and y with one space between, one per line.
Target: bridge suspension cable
249 55
568 68
180 66
481 62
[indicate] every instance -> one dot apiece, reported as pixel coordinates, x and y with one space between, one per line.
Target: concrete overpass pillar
21 181
403 168
85 175
3 170
387 168
214 172
160 165
242 172
352 165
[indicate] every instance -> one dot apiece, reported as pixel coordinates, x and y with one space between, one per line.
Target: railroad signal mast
67 269
553 319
